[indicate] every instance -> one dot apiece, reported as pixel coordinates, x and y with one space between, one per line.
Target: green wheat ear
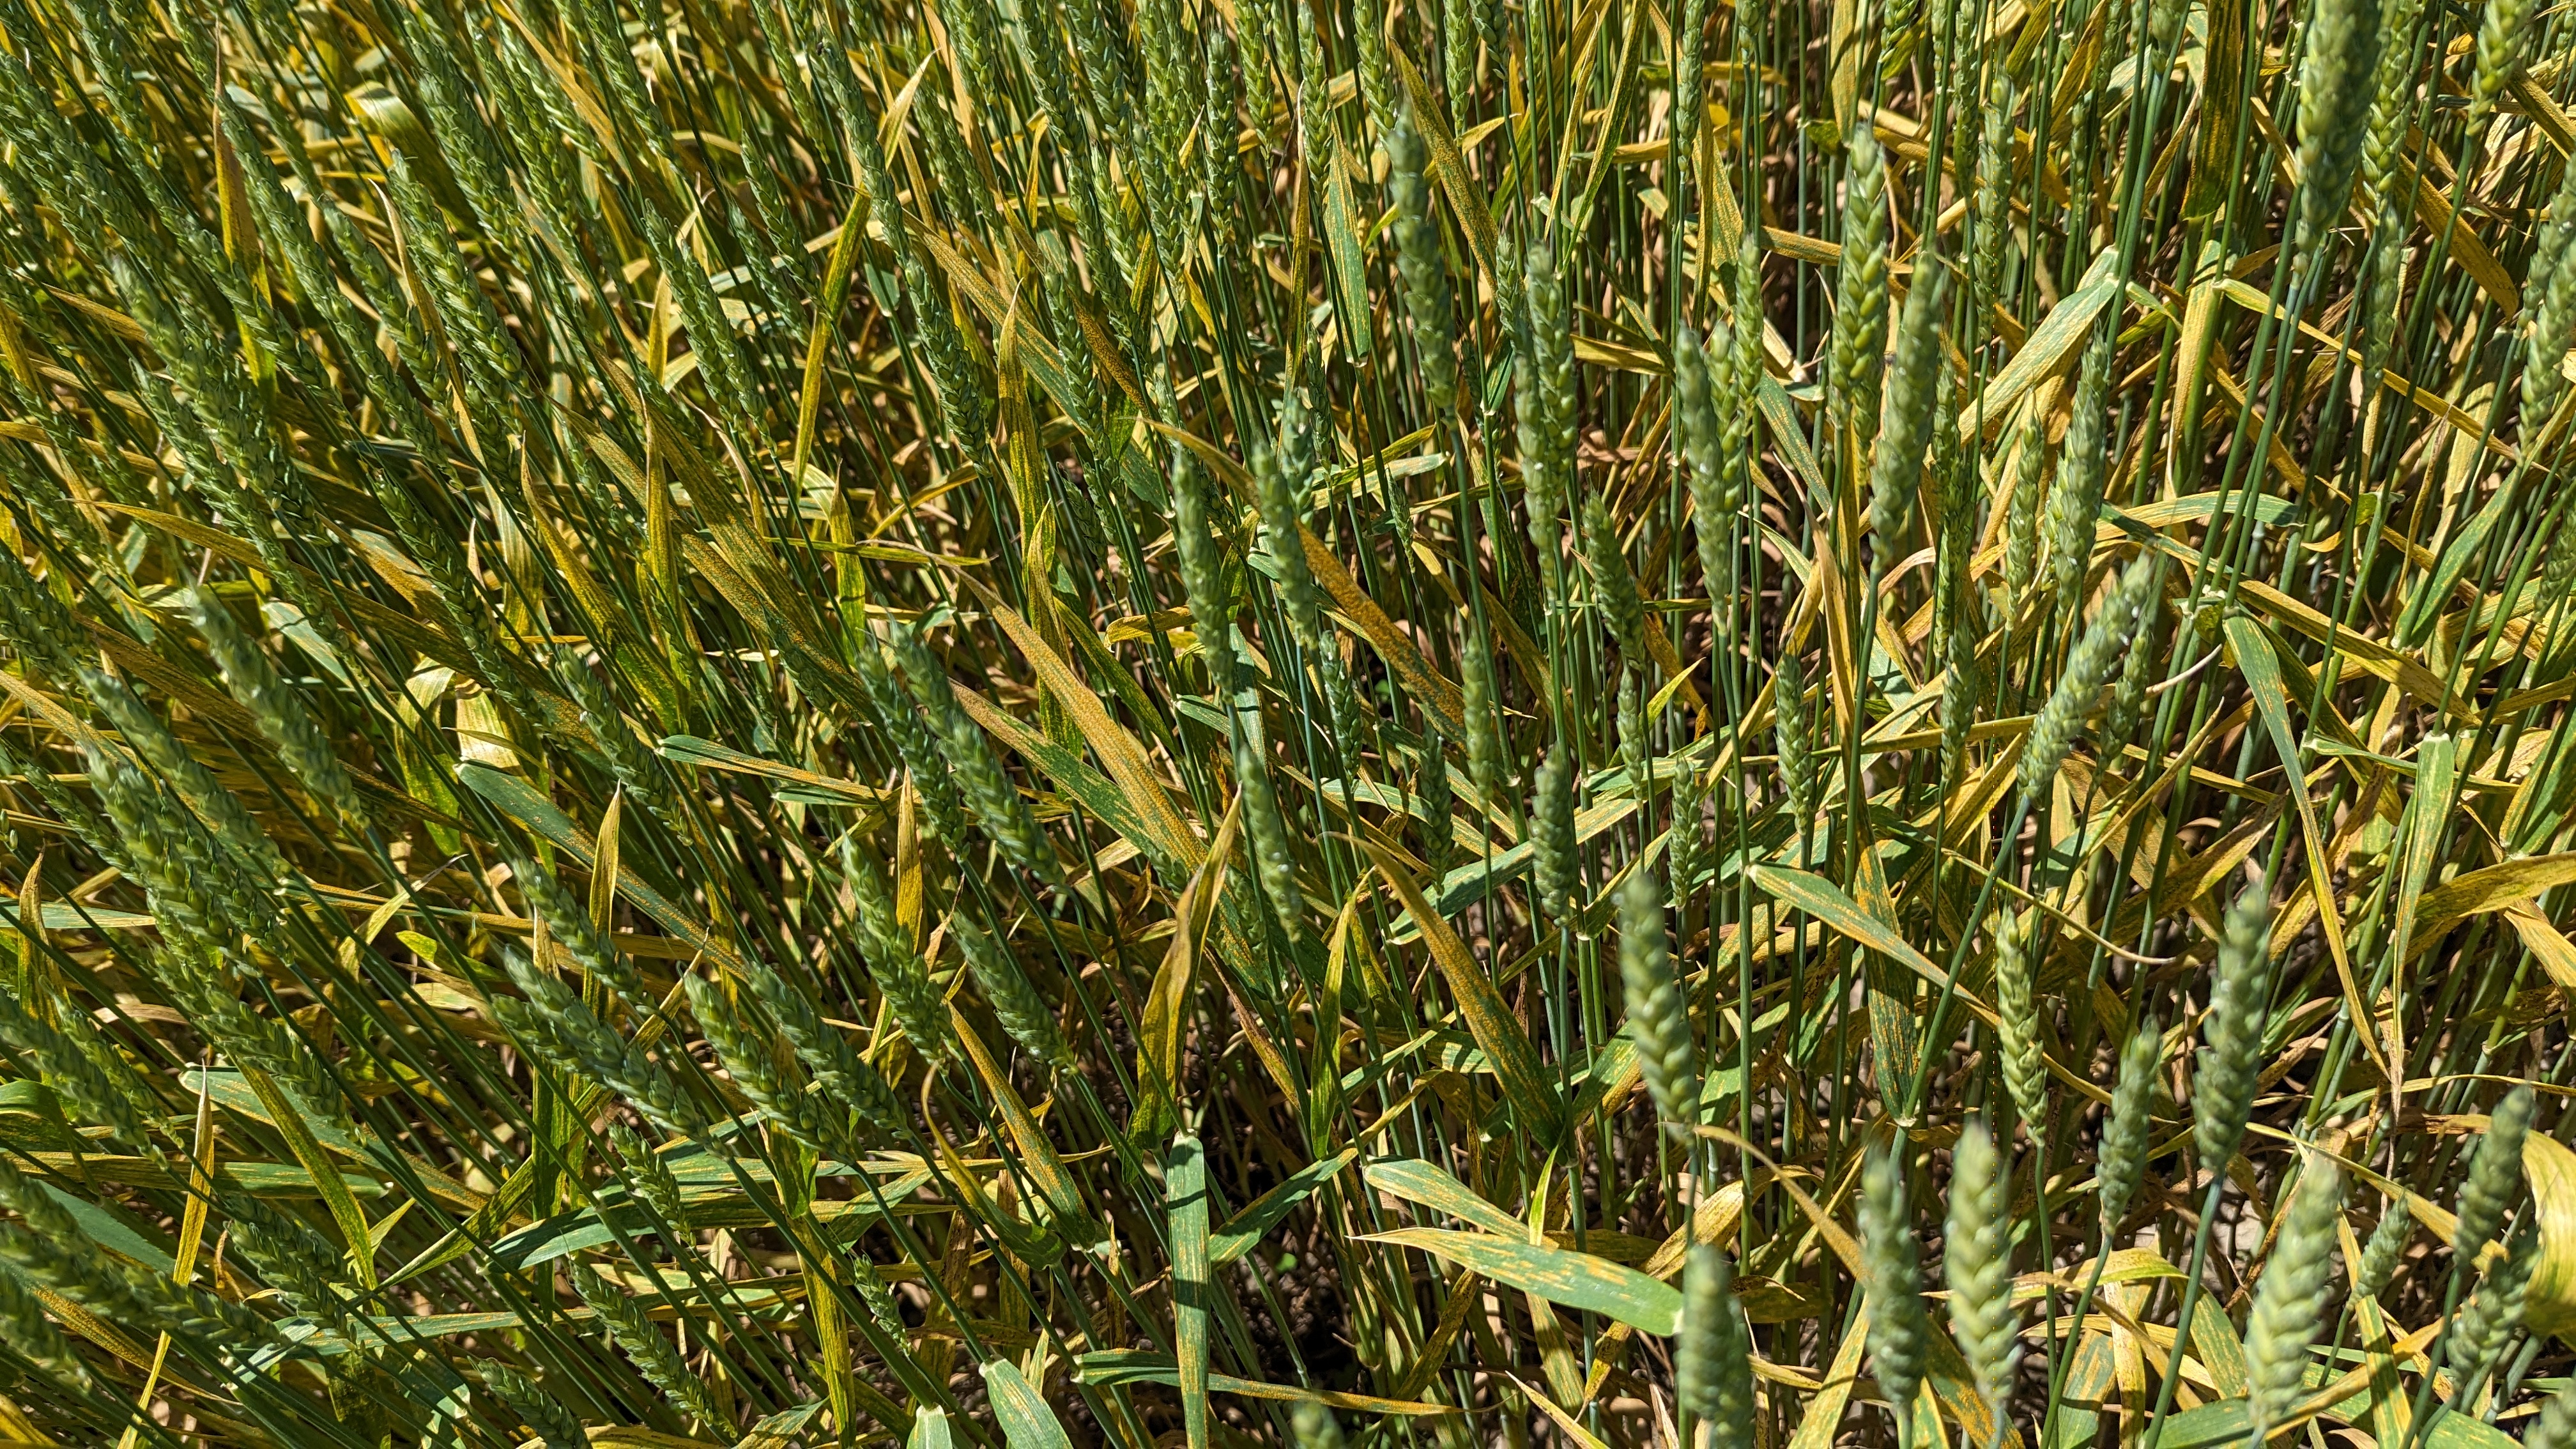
1015 1000
2495 1176
1658 1016
1552 814
280 712
2088 663
1905 426
2488 1321
1890 1263
1315 1426
1793 739
2555 1428
898 969
2291 1296
34 1337
2122 1157
2499 47
653 1356
1977 1261
2232 1030
2382 1253
1712 1360
1860 316
1423 266
648 1176
532 1405
2075 502
2017 1016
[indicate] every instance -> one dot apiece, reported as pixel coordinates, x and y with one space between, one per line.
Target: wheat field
1438 724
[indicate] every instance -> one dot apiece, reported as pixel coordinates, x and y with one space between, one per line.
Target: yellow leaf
1816 1429
1392 645
335 1192
2556 954
1559 1275
1037 1155
2492 889
1572 1426
2048 347
1118 750
2551 1167
1489 1020
1158 1043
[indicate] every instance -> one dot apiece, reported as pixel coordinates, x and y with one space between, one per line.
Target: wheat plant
1003 724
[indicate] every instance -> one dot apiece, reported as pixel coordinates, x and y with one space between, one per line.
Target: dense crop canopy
1015 723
